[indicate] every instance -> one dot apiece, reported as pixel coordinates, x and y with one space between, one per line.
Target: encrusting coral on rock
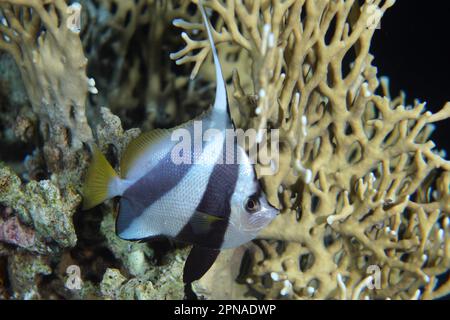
41 205
159 284
43 202
363 191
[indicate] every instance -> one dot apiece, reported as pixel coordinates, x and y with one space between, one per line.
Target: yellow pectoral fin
96 183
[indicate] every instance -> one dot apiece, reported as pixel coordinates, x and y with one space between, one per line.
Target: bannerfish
210 203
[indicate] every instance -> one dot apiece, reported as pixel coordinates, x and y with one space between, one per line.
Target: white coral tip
91 82
441 234
287 288
73 21
185 36
91 86
75 30
284 292
304 120
416 295
75 5
308 176
275 276
330 221
446 222
177 22
271 40
93 90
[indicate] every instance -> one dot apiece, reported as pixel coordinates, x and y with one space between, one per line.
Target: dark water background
412 49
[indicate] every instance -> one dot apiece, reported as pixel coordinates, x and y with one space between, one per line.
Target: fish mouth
259 222
268 208
271 213
272 207
265 201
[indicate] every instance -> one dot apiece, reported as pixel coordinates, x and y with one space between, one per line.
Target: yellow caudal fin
96 183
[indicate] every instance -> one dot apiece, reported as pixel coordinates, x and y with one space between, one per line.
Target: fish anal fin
198 263
138 146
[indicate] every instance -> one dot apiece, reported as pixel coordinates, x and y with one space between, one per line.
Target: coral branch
356 169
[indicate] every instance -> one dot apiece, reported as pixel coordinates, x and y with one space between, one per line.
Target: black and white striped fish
208 203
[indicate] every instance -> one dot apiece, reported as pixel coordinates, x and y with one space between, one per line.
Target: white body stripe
157 151
169 214
150 158
246 184
117 186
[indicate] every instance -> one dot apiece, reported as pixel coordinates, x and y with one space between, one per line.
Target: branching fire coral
360 184
363 192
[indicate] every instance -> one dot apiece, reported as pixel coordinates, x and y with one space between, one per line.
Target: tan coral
360 184
53 68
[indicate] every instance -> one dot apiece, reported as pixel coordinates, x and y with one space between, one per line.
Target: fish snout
269 211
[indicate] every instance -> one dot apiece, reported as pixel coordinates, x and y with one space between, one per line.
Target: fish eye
252 205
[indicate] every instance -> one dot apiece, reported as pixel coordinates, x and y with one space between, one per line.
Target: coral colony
363 192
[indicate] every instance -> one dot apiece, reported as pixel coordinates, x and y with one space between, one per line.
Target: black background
412 49
286 310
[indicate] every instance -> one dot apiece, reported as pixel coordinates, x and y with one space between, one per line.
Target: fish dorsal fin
221 102
138 146
201 222
198 263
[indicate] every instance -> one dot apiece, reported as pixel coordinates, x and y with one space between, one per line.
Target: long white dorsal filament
220 103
